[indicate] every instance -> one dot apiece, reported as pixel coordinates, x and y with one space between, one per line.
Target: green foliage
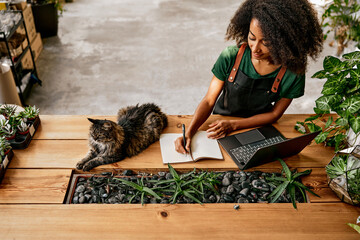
188 185
4 146
340 94
354 226
337 167
140 188
340 17
288 183
31 112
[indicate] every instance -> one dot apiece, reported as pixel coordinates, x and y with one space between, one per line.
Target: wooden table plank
194 221
77 127
66 153
34 186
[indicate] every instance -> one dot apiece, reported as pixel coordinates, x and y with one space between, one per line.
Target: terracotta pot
24 133
11 137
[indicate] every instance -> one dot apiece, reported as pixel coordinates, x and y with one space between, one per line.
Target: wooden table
33 190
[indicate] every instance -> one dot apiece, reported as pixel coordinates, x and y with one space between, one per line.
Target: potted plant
30 112
340 94
8 110
343 174
341 18
46 14
22 127
5 147
7 128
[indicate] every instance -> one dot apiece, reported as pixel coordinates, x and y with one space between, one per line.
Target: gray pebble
230 189
80 188
226 182
75 199
244 192
82 199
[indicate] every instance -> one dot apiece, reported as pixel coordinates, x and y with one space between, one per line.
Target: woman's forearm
201 114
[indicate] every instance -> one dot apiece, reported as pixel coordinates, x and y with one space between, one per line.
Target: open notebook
202 147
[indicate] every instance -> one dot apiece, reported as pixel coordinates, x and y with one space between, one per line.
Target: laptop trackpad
249 137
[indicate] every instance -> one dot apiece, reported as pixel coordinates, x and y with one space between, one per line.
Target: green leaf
187 194
329 122
299 126
355 123
300 185
320 74
320 112
131 184
306 172
174 197
313 127
352 56
321 137
355 227
151 192
341 121
142 198
322 103
286 169
331 64
173 172
278 191
292 195
352 104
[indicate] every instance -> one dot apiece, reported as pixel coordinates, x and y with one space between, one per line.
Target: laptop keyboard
244 153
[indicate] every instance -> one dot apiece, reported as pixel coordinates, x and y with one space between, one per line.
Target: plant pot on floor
46 19
343 174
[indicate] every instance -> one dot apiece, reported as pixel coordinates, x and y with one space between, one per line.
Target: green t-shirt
291 86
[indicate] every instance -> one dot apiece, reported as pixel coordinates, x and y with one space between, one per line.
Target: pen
184 139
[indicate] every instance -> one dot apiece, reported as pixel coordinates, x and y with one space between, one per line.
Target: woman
258 78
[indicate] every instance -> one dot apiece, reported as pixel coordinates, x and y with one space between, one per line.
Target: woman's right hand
179 145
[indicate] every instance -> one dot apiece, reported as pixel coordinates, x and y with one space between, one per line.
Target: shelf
4 38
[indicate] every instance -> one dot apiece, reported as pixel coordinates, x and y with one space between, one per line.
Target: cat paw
87 167
79 165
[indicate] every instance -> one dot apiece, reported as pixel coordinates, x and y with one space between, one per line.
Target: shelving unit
16 65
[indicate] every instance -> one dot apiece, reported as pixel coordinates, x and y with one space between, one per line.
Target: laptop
261 145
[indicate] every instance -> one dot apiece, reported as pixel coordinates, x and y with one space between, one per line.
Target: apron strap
235 68
278 79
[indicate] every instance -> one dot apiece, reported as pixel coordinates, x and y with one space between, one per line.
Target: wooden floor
33 191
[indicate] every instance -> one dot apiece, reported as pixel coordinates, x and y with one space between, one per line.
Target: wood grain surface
35 185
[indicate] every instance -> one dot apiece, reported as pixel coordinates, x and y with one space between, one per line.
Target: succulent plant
31 112
4 146
22 126
8 110
6 127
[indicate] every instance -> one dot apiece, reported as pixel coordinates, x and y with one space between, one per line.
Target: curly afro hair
291 29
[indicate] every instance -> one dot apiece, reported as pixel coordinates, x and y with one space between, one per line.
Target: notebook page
168 152
204 147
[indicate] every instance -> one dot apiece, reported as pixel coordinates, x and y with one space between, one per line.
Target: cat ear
94 121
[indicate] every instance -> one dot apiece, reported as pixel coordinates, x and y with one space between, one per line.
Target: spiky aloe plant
289 183
140 189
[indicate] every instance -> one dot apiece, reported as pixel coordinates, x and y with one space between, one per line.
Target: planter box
5 163
112 194
23 141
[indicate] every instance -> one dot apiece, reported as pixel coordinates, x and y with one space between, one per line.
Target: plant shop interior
75 77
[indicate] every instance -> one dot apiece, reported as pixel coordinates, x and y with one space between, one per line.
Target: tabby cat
137 128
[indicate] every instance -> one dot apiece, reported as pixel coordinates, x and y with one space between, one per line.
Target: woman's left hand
219 129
